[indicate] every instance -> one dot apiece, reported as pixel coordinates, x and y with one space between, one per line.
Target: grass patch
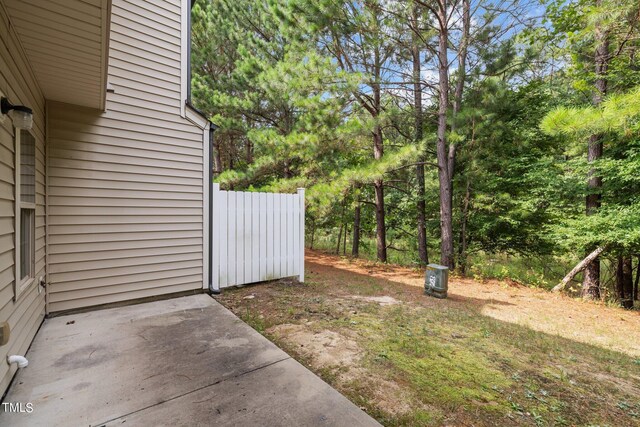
429 362
442 371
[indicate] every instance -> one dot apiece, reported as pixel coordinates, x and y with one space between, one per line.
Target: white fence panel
283 235
270 241
240 239
256 237
231 214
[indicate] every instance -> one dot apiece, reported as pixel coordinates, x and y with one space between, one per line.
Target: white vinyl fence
256 237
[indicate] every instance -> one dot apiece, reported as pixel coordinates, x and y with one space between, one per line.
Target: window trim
21 285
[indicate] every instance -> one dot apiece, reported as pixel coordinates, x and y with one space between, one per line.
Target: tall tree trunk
466 203
355 244
637 282
248 151
344 238
446 222
462 250
231 156
624 281
217 157
381 231
591 281
619 279
378 152
462 75
418 123
287 170
457 97
627 281
343 224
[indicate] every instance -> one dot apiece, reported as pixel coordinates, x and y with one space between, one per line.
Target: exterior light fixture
22 116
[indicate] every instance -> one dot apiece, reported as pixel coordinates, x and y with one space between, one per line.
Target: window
27 234
25 208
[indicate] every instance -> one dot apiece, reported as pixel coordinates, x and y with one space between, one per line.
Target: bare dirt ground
537 309
493 353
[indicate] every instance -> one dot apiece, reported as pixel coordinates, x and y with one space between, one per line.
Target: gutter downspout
212 129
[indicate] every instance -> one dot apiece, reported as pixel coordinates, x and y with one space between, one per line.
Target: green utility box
436 281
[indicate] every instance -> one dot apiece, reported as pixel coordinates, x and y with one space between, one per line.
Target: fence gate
256 237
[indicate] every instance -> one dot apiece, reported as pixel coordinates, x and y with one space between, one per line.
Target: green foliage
300 87
508 166
276 98
617 222
618 114
326 193
572 32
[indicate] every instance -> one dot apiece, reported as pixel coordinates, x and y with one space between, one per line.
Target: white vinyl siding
126 185
24 314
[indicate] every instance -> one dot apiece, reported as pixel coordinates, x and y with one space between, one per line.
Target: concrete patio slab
183 361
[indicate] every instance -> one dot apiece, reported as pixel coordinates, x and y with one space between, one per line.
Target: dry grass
492 354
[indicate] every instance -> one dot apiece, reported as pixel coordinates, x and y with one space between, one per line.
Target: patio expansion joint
194 390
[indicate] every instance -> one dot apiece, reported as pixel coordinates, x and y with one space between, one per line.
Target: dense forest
500 138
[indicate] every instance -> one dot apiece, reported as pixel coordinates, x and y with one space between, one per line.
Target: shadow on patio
183 361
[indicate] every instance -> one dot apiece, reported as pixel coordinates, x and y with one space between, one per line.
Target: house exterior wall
26 312
125 190
66 44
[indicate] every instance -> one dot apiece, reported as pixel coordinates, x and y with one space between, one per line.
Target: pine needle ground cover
493 353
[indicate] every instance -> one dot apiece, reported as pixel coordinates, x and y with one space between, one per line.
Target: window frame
22 284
